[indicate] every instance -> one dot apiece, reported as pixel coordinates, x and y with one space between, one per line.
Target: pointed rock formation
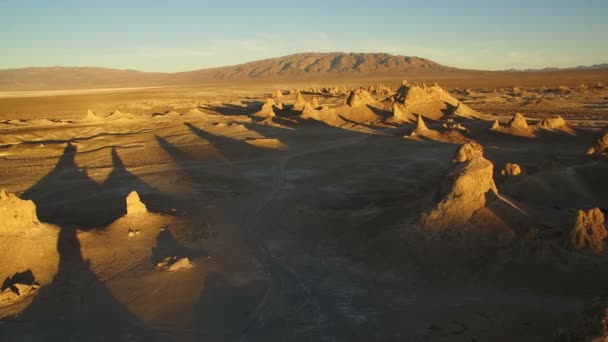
91 117
420 125
519 122
278 94
601 147
16 215
300 101
516 126
589 231
400 116
267 110
511 169
315 103
467 184
134 204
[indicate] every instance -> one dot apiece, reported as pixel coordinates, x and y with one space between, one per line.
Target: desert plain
350 209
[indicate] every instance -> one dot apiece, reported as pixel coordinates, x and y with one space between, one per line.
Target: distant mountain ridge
296 66
300 66
580 67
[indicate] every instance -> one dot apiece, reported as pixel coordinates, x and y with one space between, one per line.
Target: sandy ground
297 229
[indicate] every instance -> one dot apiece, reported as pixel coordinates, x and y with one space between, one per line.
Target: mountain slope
297 66
313 64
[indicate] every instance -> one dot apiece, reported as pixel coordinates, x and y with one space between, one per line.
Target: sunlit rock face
16 215
468 181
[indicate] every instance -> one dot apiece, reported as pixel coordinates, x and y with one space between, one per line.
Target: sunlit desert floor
301 217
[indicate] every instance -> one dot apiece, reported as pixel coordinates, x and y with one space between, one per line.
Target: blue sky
181 35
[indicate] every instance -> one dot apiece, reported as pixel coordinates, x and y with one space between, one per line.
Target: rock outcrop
267 110
359 97
91 117
134 204
401 116
16 215
589 231
300 101
432 102
172 264
519 122
601 146
511 169
556 124
466 186
516 126
17 287
420 125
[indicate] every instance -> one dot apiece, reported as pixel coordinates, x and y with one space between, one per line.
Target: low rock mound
556 124
118 115
511 169
135 205
16 215
172 264
449 135
589 231
601 147
270 143
450 124
195 112
466 186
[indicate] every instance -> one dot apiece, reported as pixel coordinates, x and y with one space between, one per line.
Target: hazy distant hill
580 67
297 66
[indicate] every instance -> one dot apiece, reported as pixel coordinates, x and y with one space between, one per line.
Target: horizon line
289 55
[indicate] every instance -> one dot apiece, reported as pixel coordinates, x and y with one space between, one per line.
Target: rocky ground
328 213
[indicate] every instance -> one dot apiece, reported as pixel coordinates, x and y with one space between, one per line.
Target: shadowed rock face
468 181
588 231
16 215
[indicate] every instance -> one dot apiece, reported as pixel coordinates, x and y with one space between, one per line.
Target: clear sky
179 35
